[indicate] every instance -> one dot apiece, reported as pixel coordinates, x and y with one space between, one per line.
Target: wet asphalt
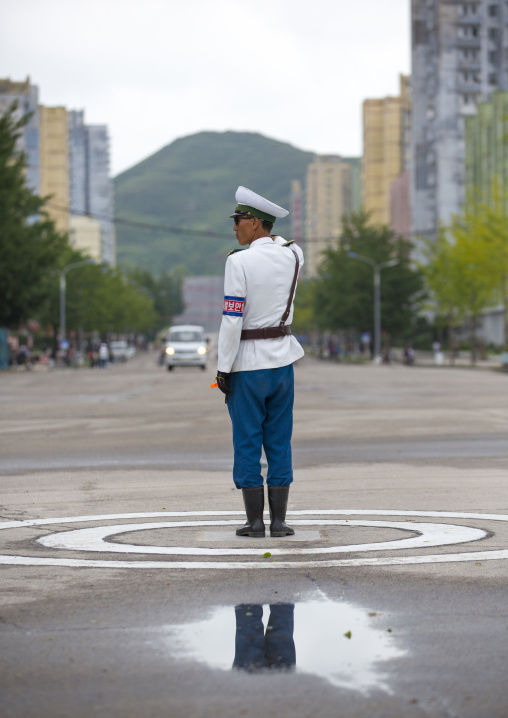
407 639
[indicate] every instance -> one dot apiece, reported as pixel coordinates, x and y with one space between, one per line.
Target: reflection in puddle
339 642
255 649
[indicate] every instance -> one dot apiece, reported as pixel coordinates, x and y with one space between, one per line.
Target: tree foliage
33 254
165 290
344 294
29 242
466 268
98 298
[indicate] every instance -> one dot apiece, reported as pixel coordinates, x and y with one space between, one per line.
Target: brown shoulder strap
292 291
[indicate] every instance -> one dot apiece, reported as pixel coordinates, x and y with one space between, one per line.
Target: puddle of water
317 632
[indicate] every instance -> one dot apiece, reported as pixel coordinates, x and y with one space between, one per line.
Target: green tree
458 273
472 266
444 280
98 298
29 243
483 224
166 291
344 289
304 319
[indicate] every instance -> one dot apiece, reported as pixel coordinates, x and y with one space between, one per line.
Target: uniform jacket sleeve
235 290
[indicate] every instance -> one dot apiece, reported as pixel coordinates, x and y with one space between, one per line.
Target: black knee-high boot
254 501
278 503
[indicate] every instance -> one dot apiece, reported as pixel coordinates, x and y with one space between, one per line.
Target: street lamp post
63 286
377 267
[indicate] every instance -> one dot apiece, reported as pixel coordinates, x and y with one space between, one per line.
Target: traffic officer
255 359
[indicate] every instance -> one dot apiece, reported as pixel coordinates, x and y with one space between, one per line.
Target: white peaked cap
247 200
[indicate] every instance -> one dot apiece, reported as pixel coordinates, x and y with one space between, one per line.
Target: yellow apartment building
385 149
85 234
328 198
54 163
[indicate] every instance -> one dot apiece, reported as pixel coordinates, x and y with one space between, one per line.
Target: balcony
468 42
470 65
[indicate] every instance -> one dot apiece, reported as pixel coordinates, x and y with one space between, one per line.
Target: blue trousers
261 409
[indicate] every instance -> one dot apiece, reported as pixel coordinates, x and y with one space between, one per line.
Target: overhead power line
170 230
140 225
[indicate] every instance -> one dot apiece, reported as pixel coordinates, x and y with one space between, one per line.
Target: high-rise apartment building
332 190
85 235
459 56
386 127
90 185
26 97
54 164
70 162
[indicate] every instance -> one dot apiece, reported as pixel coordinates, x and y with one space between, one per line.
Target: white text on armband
233 306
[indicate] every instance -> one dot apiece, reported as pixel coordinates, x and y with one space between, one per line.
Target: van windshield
185 336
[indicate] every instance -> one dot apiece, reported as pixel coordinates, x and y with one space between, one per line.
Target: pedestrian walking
103 355
256 352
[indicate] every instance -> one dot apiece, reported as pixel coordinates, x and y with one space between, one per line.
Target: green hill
191 184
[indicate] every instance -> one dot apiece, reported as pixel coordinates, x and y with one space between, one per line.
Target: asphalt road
120 570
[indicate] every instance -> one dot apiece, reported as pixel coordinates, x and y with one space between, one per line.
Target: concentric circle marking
94 539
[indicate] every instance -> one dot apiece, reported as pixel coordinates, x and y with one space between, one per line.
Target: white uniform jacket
257 283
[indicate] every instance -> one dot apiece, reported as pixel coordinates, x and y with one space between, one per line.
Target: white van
186 345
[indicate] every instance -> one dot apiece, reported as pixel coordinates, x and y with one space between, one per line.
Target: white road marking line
449 533
94 539
310 512
399 561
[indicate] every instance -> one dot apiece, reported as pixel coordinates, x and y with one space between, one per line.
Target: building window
471 77
493 33
493 57
493 79
493 10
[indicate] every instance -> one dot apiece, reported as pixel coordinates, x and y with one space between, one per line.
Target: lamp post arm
77 264
362 258
389 263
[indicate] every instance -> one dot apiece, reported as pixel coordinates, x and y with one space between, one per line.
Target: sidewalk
463 360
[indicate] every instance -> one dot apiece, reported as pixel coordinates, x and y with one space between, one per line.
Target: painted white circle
94 539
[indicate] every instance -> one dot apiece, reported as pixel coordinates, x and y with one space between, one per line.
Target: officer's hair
267 226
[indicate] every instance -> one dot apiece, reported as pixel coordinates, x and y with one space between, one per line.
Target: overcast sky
156 70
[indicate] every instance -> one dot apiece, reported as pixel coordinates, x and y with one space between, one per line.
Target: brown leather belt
266 333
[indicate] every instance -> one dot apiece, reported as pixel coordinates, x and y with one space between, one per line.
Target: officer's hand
223 382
